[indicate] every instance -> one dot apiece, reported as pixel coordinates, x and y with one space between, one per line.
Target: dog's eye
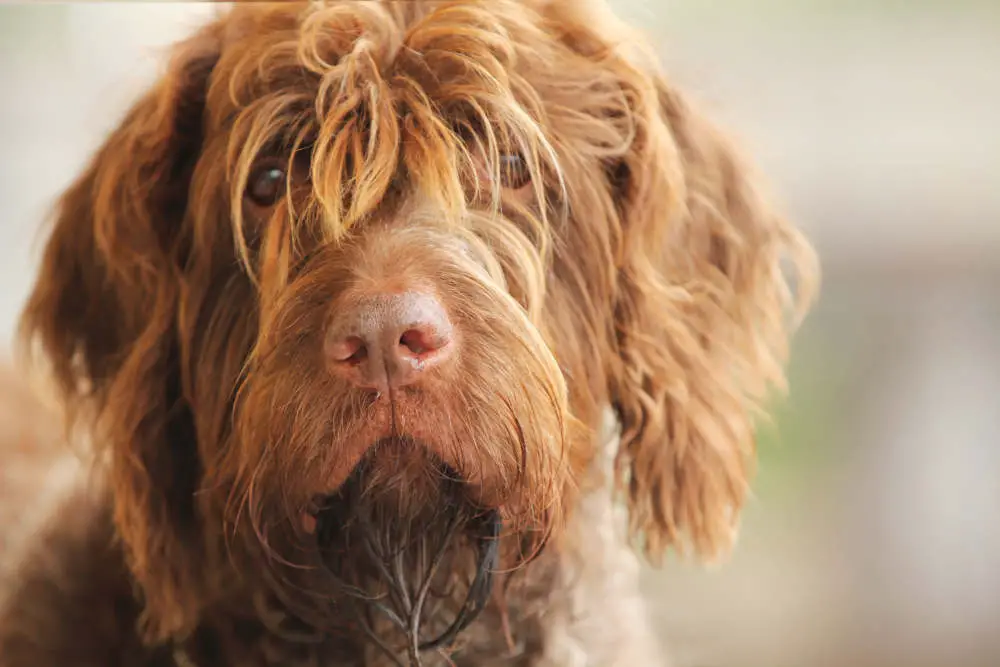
266 184
514 172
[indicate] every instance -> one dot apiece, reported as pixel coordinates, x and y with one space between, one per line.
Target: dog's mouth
411 554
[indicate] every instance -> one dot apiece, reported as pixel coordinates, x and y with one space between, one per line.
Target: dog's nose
389 340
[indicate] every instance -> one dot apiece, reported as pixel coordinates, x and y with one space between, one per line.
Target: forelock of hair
378 104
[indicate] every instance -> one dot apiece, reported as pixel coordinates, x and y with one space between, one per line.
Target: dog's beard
409 553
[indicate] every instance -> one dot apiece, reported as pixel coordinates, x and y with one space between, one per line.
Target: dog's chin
398 483
403 545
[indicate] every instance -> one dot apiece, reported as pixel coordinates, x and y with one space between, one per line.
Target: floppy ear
103 315
703 312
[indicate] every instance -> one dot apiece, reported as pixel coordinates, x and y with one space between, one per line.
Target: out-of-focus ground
874 535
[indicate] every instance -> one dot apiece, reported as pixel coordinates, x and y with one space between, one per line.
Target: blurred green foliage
801 434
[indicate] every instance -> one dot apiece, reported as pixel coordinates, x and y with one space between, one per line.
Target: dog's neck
258 631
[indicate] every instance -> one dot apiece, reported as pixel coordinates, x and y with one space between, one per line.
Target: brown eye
266 185
514 172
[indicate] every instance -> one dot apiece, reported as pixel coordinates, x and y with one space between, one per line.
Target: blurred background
874 535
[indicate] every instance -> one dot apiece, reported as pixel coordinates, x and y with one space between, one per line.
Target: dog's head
358 274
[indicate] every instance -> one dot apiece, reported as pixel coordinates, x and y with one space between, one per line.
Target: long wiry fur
641 268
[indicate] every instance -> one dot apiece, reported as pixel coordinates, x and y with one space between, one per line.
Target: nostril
419 342
351 351
413 340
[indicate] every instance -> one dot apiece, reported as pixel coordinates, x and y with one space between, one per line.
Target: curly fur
640 268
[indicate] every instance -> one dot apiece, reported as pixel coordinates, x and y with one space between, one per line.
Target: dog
396 333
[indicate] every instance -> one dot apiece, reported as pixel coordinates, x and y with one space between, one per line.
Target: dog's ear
703 310
703 314
103 317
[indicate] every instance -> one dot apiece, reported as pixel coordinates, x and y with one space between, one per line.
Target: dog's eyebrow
282 145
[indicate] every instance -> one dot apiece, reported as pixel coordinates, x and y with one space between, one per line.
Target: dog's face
376 269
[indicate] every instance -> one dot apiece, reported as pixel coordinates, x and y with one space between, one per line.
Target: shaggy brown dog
342 308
